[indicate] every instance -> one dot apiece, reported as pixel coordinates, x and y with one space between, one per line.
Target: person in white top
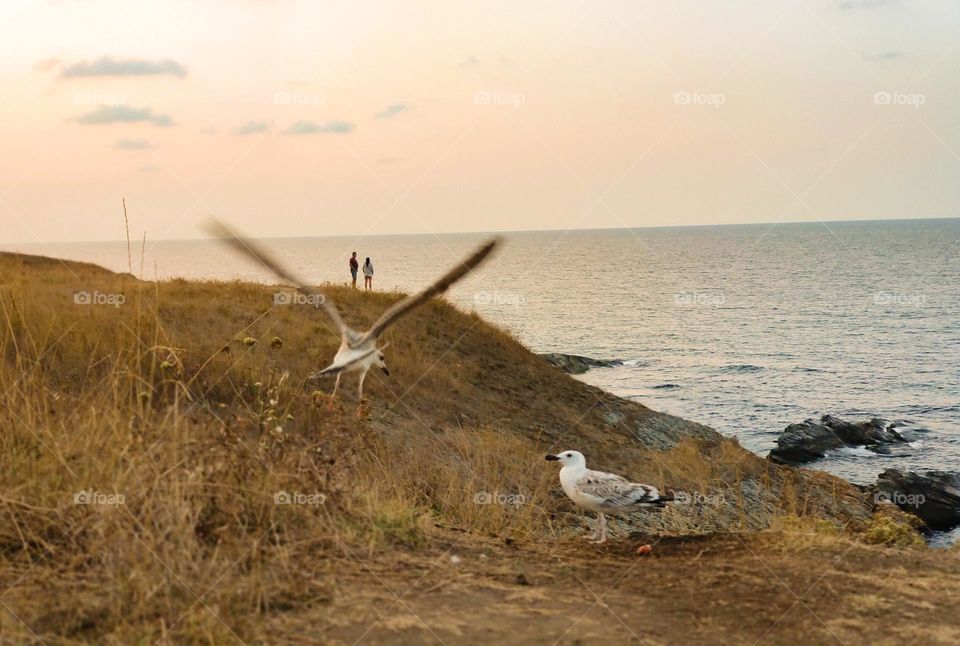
368 275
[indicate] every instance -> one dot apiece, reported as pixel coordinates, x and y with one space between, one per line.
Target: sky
292 118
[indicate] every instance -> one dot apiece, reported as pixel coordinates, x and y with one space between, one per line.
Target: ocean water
745 328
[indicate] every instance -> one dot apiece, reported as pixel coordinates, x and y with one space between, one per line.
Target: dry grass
185 410
179 409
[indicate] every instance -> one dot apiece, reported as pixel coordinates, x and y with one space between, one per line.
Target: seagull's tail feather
654 498
329 370
334 369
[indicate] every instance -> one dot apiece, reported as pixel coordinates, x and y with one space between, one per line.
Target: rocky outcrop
576 364
934 496
810 440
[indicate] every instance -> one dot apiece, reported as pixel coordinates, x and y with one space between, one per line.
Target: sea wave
740 368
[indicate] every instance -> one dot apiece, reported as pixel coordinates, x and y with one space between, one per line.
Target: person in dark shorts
368 275
354 268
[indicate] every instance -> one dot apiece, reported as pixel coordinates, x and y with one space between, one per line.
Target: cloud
133 144
208 131
250 127
309 127
847 5
468 62
885 56
109 66
105 114
148 168
47 64
393 110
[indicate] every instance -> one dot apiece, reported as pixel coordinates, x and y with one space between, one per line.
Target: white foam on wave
856 451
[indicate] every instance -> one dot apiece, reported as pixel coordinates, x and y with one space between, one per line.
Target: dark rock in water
810 440
577 365
934 496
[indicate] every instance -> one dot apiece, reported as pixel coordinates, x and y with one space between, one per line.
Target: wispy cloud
47 64
250 127
884 56
393 110
148 168
133 144
847 5
109 66
468 62
105 114
309 127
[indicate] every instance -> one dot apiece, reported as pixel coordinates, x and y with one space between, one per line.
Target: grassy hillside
168 473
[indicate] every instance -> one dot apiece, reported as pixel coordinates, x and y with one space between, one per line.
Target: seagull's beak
552 458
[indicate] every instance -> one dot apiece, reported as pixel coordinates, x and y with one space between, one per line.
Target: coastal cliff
167 432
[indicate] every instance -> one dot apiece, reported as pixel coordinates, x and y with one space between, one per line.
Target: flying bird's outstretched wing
394 313
253 250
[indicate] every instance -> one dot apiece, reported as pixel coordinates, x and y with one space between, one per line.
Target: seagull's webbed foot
600 533
363 410
595 536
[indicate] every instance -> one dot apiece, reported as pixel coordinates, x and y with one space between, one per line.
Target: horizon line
509 231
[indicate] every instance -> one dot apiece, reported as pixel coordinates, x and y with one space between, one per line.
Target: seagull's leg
333 395
360 406
601 529
596 530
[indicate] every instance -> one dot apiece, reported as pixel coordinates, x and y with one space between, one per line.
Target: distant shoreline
454 234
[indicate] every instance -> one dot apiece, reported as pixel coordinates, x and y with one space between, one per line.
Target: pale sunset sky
347 118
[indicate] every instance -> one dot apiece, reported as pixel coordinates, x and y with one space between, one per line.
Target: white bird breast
356 358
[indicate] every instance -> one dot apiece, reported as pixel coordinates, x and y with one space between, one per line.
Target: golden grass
184 414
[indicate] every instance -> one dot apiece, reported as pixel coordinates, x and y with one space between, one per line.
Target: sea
744 328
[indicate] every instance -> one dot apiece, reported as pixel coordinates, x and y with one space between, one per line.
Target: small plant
893 528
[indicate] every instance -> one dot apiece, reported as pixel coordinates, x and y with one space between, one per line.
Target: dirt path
717 590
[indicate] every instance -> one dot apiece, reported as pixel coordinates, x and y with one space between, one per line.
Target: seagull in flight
604 493
359 350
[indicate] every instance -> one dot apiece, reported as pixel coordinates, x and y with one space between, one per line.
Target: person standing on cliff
354 268
368 275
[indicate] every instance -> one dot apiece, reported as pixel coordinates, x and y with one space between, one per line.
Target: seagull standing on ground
359 351
604 493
